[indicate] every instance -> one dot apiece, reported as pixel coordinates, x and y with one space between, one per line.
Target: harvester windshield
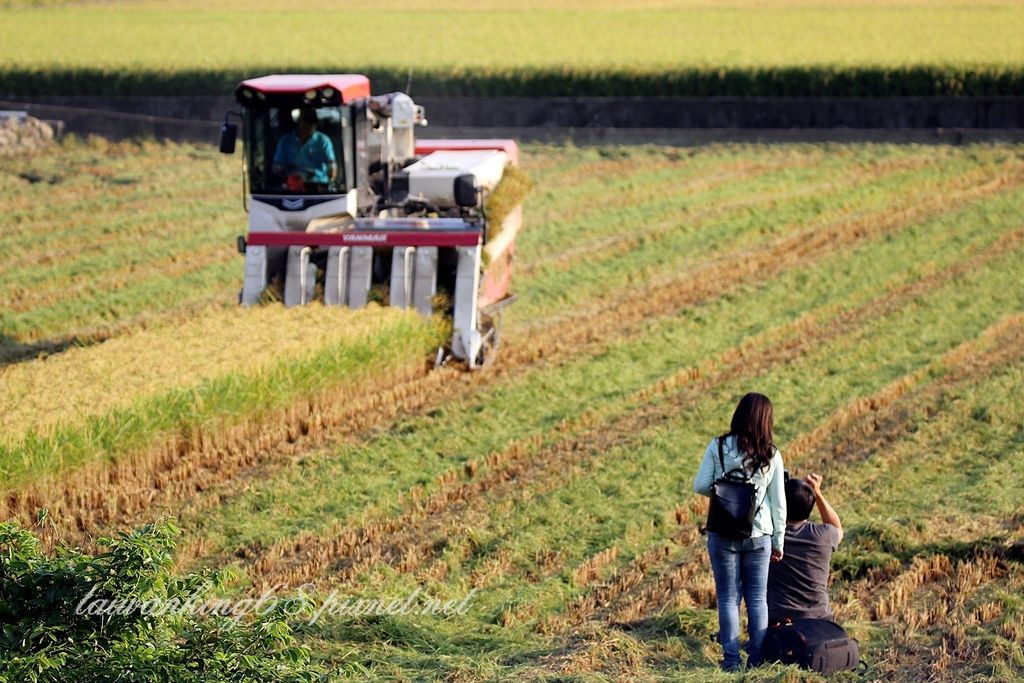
298 151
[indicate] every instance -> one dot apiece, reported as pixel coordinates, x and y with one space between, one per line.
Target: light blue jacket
769 487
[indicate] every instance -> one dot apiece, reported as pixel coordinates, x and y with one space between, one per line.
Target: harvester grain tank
364 211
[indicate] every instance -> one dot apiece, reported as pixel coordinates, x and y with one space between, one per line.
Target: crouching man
798 584
802 630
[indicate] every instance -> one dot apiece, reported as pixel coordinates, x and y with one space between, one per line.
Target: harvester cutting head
348 207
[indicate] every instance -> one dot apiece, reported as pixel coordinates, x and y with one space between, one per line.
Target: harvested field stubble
527 466
101 238
253 439
750 191
859 428
1005 333
871 291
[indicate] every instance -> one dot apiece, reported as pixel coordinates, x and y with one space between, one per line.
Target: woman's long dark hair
752 426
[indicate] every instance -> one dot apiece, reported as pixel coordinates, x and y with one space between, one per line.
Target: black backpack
732 510
816 644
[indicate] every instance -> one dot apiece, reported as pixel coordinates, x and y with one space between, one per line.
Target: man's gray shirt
798 584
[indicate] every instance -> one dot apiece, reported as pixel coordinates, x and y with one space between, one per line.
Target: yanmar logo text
364 237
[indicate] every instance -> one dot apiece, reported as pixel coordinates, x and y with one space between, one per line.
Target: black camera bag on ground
731 513
816 644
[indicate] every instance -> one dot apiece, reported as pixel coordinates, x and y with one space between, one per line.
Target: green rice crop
213 371
554 49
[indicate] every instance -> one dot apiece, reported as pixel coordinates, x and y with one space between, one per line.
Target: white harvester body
361 210
433 177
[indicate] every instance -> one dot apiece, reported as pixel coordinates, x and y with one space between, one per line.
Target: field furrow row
416 396
410 539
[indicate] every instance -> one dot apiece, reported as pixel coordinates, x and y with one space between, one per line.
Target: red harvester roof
351 86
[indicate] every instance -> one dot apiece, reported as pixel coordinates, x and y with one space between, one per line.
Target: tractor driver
306 155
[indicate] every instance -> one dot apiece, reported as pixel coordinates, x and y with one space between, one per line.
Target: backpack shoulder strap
746 476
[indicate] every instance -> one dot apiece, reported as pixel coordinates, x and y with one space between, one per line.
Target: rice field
873 292
565 47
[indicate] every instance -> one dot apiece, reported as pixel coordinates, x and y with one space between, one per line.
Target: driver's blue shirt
313 159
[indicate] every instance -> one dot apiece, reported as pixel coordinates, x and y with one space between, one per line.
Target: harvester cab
347 206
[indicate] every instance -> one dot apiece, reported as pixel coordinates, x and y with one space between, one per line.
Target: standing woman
740 565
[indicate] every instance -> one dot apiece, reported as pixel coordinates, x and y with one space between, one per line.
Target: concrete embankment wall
663 120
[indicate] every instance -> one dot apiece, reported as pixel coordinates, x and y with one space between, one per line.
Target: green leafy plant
72 616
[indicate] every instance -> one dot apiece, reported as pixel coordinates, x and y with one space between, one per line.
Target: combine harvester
393 219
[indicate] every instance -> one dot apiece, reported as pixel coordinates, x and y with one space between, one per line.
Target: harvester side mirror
228 135
465 191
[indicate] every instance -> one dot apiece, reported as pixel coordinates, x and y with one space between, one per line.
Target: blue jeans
741 569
